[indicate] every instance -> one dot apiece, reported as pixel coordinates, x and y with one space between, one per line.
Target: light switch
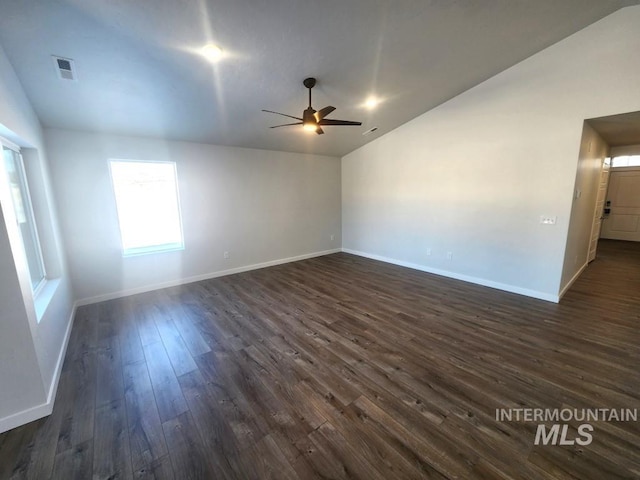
548 220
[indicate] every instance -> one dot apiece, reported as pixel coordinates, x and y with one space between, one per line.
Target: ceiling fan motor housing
308 117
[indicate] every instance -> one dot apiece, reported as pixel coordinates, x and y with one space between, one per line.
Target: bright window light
626 161
148 207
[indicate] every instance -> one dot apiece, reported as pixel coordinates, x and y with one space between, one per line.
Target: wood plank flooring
341 367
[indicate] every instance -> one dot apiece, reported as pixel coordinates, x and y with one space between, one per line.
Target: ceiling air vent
65 68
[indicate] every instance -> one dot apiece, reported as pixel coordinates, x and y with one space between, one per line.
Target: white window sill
170 247
43 297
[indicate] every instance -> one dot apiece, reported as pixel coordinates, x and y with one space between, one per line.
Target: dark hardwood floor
342 367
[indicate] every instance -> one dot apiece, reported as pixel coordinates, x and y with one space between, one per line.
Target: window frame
157 248
29 214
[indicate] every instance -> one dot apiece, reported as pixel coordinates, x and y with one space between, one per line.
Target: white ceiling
138 72
618 130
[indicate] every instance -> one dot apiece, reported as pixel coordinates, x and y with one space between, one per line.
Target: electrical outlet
428 251
449 255
225 254
331 237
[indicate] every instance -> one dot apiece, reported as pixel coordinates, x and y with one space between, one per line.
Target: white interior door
599 210
623 200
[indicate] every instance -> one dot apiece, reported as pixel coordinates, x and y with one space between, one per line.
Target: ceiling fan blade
286 125
337 122
323 112
319 131
283 114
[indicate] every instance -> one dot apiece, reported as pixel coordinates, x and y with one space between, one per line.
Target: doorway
602 139
621 211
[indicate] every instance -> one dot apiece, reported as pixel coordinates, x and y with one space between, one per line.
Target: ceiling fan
313 120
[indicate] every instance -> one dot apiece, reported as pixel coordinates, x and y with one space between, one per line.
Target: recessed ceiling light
211 52
371 102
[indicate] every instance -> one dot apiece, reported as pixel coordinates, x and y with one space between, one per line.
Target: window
626 161
148 208
19 194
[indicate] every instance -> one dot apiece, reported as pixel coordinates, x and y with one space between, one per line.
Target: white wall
260 206
593 150
474 175
625 150
31 352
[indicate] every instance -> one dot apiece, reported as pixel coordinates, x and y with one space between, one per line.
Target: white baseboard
573 279
25 416
197 278
465 278
44 409
63 352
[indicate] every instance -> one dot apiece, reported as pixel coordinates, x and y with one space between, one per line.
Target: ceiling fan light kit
311 119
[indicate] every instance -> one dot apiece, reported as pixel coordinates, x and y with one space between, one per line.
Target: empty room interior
289 239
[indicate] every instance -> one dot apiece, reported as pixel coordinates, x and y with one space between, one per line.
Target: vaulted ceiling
139 70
